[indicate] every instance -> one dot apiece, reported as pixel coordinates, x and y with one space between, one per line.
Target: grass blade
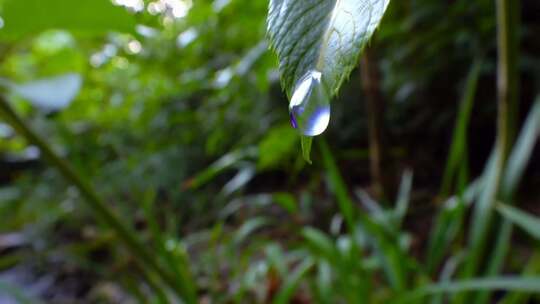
448 224
521 154
517 162
403 198
291 284
522 284
515 297
483 214
337 185
306 148
459 140
392 257
524 220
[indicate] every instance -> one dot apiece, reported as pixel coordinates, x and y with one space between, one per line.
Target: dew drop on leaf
310 105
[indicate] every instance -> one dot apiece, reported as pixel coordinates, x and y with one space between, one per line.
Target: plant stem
375 109
508 20
507 73
95 203
507 98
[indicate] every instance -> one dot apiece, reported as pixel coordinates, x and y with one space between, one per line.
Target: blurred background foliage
174 112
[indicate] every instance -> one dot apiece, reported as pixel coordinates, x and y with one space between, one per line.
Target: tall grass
370 258
148 260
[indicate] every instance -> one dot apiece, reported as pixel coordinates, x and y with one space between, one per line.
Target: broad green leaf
54 93
28 17
318 43
279 143
322 35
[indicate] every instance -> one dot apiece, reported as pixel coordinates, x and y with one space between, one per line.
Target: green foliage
526 284
30 17
180 126
282 141
50 94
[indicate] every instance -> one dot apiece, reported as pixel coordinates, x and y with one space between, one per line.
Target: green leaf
515 168
306 148
338 186
249 227
527 222
483 214
29 17
293 280
53 93
457 156
280 142
322 35
403 198
525 284
225 162
449 223
319 243
522 152
516 297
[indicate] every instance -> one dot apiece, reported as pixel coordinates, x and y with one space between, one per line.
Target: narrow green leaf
249 227
225 162
338 186
483 214
306 148
459 141
403 198
448 224
516 297
323 288
515 168
524 220
521 154
292 282
525 284
320 244
388 250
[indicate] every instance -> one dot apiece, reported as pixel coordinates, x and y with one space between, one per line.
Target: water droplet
310 105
